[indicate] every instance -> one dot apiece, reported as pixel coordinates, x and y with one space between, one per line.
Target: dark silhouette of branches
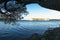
12 11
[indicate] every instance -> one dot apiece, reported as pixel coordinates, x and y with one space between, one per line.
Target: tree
50 4
16 8
13 10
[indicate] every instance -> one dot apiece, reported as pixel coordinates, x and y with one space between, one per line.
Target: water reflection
24 30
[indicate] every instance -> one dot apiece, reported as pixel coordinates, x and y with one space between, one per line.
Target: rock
35 37
52 34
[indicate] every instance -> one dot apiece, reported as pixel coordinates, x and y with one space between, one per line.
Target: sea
20 30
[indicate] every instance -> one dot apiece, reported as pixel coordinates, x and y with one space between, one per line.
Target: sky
37 11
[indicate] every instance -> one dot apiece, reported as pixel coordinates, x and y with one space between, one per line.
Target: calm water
24 29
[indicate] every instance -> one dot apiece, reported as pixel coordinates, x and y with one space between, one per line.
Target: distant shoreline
38 20
2 19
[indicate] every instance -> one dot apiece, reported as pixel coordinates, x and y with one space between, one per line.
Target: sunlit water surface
24 29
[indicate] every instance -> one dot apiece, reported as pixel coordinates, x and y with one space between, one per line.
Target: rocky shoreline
50 34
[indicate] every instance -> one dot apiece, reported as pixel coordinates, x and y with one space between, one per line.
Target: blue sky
36 11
